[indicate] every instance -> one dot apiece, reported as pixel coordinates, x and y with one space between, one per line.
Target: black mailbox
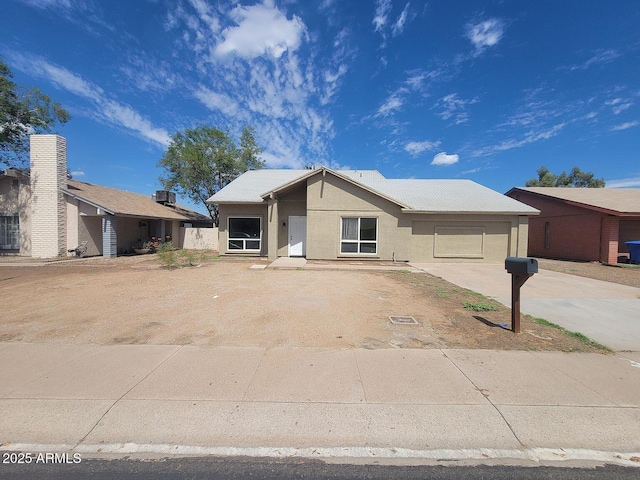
522 265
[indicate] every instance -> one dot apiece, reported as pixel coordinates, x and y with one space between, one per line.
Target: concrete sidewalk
604 311
392 403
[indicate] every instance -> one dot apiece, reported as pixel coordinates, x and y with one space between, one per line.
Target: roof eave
150 217
120 214
89 202
324 171
291 183
369 189
235 202
468 212
575 203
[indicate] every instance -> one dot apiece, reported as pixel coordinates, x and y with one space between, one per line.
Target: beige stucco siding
195 238
520 236
72 223
15 197
90 230
239 210
129 231
330 198
463 238
326 199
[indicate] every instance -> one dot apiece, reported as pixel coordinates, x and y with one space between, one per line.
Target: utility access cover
403 320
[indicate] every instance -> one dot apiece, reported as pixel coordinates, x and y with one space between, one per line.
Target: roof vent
165 197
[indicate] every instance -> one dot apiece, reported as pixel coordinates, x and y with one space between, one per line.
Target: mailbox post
521 269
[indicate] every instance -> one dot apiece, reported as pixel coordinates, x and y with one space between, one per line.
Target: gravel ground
624 274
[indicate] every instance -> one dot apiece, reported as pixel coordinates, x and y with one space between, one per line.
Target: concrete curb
532 456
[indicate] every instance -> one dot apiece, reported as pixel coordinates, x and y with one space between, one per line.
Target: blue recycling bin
634 251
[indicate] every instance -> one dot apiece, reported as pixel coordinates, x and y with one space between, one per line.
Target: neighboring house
333 214
44 214
589 224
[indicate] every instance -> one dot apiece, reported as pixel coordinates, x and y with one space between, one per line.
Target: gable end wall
574 232
330 198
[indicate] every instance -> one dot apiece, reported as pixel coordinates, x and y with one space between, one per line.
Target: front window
244 234
9 232
359 235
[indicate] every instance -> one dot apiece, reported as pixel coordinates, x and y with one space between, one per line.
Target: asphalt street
295 468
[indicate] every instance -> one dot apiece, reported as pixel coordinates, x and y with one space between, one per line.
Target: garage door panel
458 242
439 241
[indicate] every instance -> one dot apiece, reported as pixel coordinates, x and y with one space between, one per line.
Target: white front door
297 236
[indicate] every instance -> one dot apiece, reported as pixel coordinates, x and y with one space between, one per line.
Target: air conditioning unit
165 197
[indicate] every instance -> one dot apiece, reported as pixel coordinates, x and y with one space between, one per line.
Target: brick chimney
48 205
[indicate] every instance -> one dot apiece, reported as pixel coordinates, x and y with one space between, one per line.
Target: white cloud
601 57
148 74
48 3
443 159
105 109
206 14
216 101
619 105
398 26
326 4
383 7
78 173
84 14
392 103
416 148
125 116
625 126
531 136
261 29
332 82
61 77
251 73
485 34
633 182
453 106
621 108
417 78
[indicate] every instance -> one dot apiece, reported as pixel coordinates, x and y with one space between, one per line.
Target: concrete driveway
606 312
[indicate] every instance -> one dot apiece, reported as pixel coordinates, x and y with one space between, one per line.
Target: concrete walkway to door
608 313
288 263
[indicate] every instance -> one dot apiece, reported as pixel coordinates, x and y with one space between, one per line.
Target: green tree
202 160
576 178
23 111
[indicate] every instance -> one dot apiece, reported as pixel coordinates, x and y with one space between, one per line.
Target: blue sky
488 91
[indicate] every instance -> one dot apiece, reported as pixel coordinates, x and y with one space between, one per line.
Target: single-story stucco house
588 224
360 214
44 214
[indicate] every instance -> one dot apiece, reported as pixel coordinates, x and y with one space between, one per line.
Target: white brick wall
48 206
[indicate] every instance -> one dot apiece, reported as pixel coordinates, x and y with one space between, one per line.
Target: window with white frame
9 232
244 234
359 235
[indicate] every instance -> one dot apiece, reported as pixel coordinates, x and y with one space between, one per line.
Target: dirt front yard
225 302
